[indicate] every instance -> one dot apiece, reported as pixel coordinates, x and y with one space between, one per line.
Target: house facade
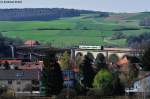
20 81
142 85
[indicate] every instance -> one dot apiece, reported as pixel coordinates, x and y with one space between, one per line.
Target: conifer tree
87 71
52 78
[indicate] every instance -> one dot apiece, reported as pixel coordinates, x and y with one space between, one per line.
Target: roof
31 42
123 60
32 65
11 61
19 74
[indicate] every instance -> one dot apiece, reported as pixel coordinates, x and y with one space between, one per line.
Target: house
31 43
32 65
141 85
21 81
69 78
12 63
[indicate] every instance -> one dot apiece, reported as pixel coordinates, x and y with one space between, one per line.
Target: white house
142 85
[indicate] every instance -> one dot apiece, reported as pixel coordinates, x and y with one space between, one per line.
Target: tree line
42 14
139 39
95 76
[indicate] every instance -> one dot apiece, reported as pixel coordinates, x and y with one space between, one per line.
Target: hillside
39 14
88 29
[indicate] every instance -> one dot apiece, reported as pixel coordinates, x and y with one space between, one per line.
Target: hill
139 16
89 28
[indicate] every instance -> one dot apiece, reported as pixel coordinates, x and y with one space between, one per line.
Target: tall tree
133 71
65 61
146 59
100 61
87 71
52 78
113 58
79 59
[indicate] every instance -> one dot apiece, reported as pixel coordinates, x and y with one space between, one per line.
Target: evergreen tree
113 58
146 59
100 62
52 78
118 87
79 59
132 73
87 71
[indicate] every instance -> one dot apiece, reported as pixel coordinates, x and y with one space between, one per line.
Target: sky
98 5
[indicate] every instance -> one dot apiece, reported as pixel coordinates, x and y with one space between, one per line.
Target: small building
38 65
141 85
21 81
31 43
12 63
69 78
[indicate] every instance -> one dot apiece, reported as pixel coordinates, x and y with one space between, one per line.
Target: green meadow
87 29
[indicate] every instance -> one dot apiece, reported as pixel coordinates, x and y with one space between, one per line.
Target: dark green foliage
5 42
143 38
41 14
118 35
90 55
104 14
52 76
87 71
118 87
133 71
100 61
113 58
145 22
146 59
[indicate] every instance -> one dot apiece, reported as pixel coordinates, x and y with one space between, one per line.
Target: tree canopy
65 61
100 61
52 78
104 81
87 71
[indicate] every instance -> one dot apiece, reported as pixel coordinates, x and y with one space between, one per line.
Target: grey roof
19 74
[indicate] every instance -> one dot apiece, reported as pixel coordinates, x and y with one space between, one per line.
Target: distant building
69 78
31 43
95 50
32 65
141 85
21 81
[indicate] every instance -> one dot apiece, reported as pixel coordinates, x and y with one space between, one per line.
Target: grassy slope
96 27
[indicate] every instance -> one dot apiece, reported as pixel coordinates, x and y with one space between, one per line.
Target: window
18 82
9 81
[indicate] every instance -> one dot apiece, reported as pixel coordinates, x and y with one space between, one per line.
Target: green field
87 29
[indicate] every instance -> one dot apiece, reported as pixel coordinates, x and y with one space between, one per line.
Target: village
22 67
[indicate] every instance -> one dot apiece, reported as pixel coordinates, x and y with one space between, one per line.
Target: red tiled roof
10 61
32 65
123 61
31 42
